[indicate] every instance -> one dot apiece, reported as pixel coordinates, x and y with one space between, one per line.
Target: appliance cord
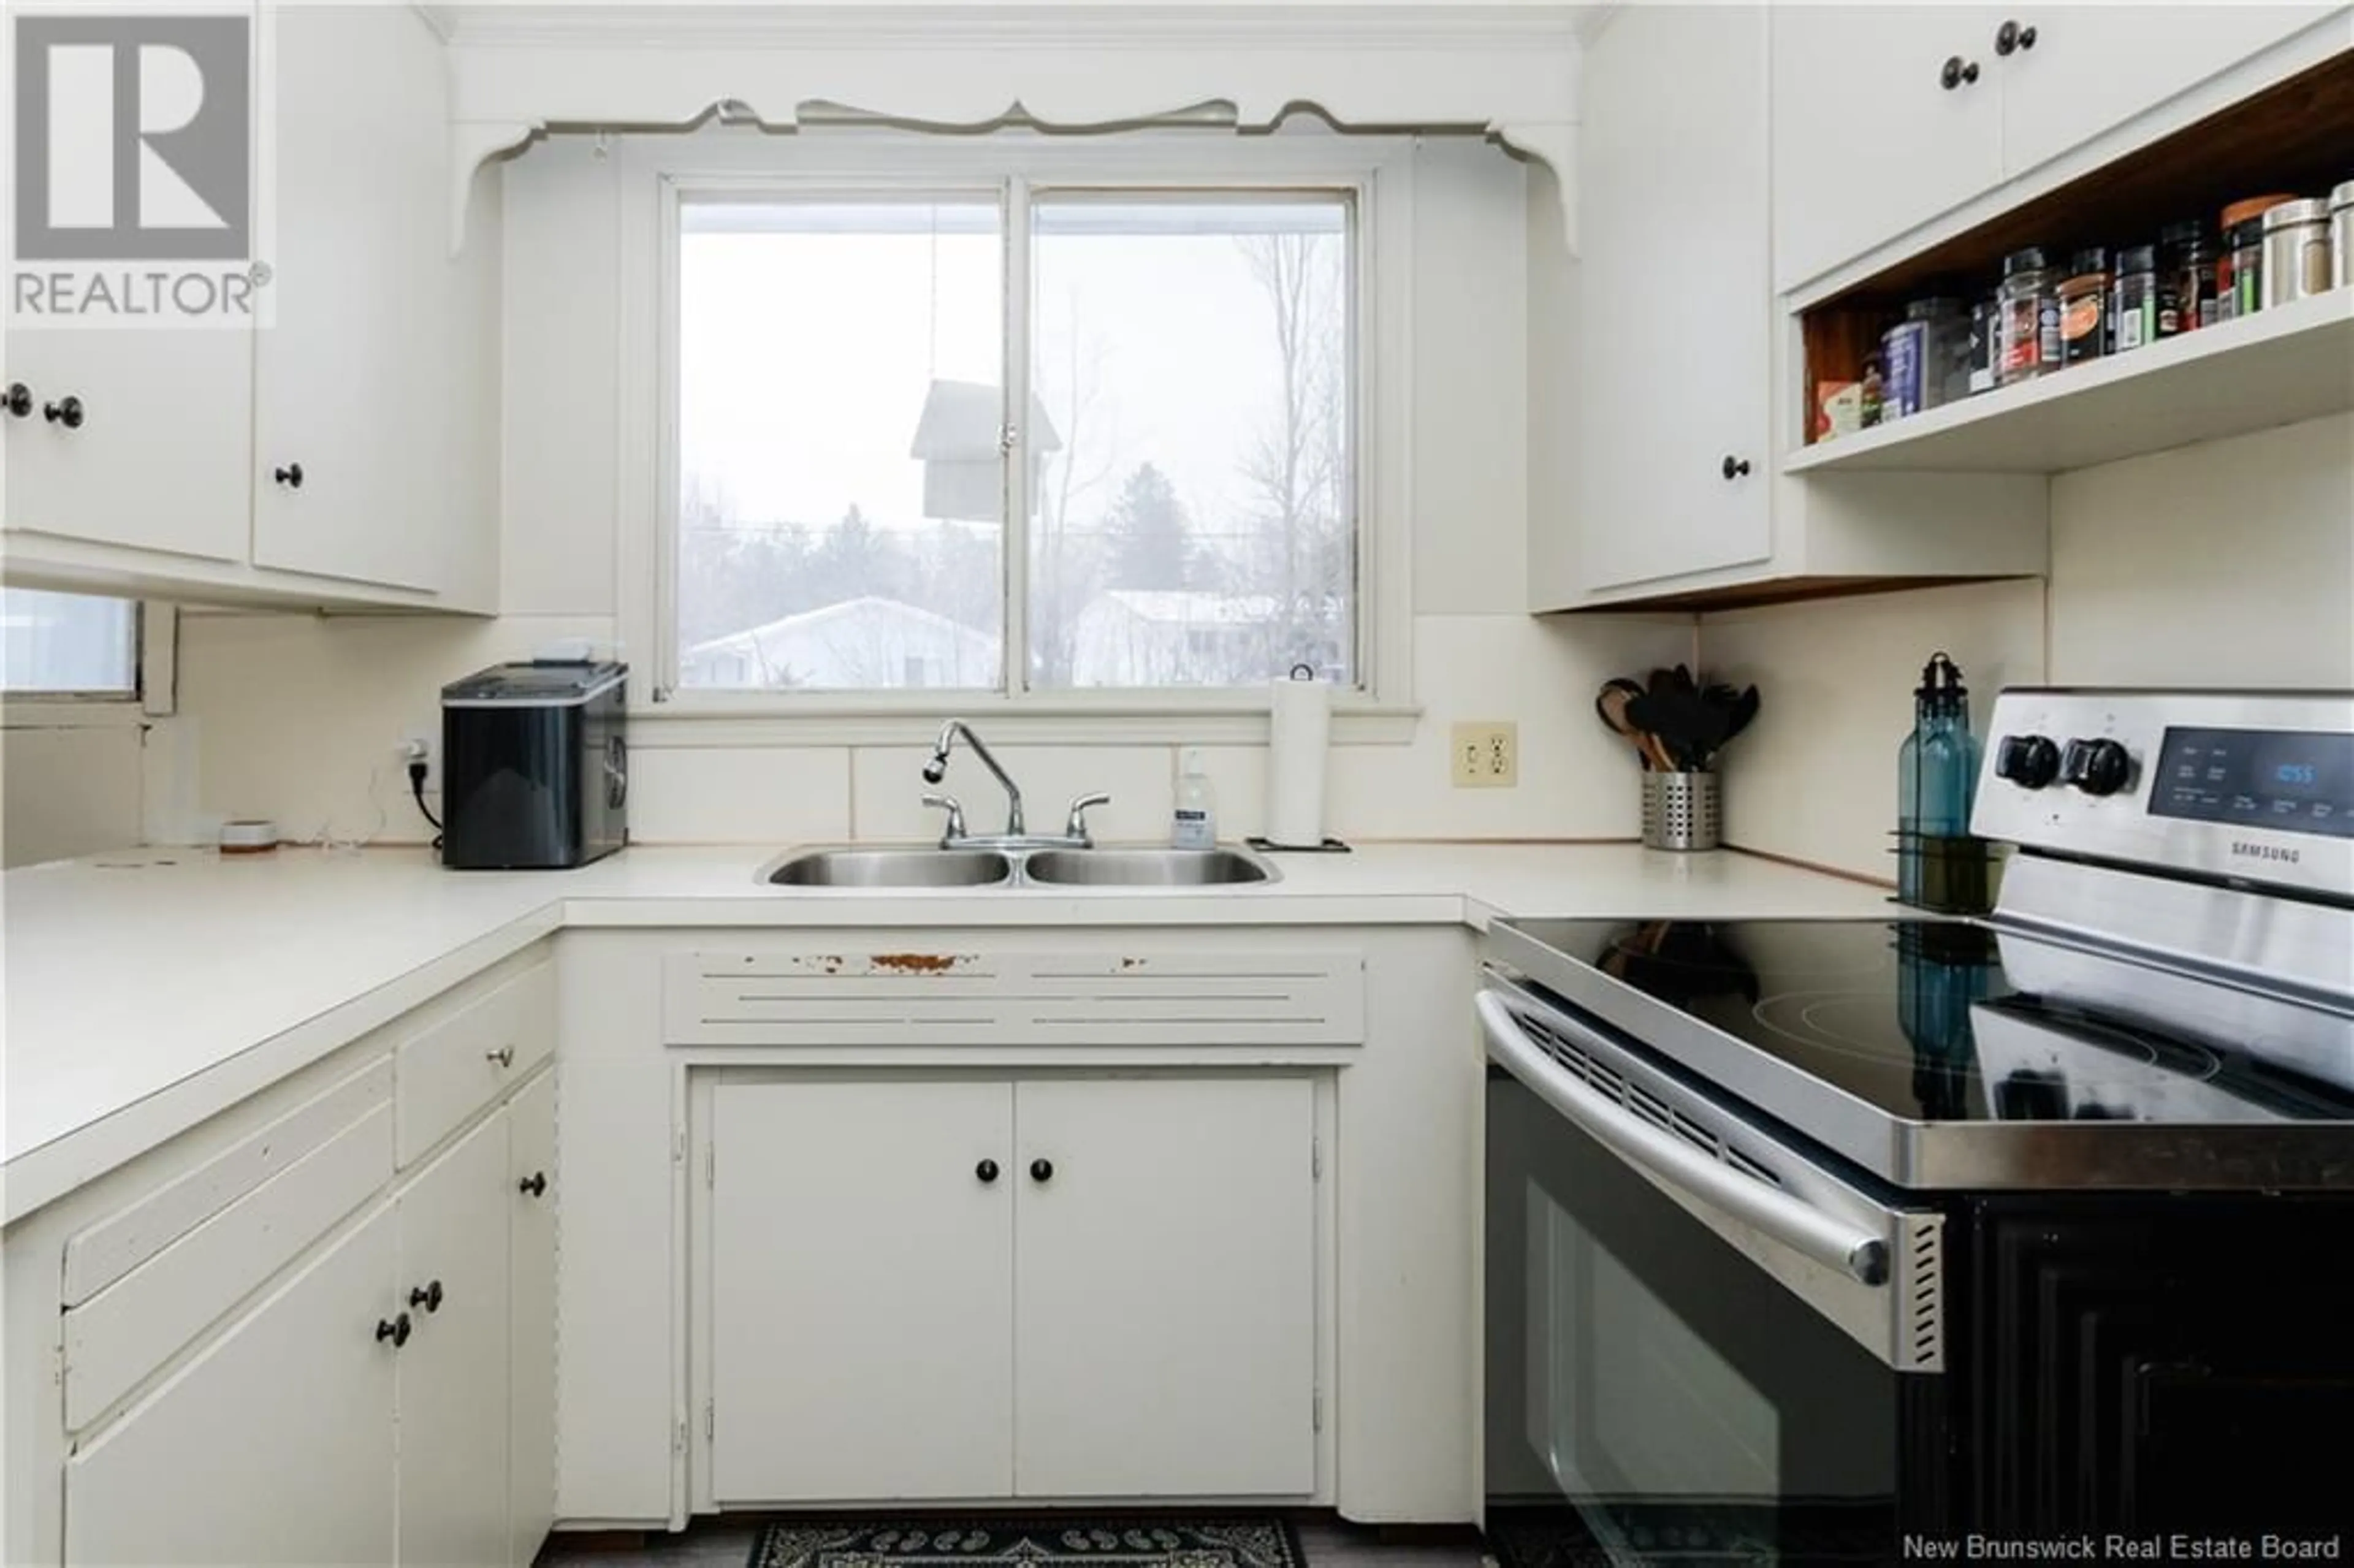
417 789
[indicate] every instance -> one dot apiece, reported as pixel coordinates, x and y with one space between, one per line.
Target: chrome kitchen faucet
1015 836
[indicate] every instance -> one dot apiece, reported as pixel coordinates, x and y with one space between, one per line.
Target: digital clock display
2284 780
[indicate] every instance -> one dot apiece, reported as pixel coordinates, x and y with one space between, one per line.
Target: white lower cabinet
1165 1288
391 1403
861 1290
453 1372
531 1318
274 1445
1051 1288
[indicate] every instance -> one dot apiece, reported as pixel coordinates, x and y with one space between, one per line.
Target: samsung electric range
1807 1239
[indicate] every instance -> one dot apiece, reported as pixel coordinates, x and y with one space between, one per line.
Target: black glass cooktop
1936 1022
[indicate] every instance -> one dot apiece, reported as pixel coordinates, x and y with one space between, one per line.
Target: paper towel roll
1300 722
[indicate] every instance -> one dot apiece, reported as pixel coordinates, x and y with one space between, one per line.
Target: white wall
67 790
297 718
2225 564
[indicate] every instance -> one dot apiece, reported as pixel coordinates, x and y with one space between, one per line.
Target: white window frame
657 172
155 680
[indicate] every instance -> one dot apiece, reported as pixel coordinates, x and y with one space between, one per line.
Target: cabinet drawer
134 1325
96 1257
452 1069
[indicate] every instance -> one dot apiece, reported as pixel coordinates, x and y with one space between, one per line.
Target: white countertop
148 990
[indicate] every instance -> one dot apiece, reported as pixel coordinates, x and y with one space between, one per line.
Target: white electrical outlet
417 746
1486 753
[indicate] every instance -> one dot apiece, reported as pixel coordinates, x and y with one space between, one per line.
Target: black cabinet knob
1042 1171
396 1331
533 1185
66 412
1957 71
986 1171
19 399
428 1295
1734 468
291 476
2012 35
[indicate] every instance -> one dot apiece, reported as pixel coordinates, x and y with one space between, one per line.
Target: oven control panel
2258 786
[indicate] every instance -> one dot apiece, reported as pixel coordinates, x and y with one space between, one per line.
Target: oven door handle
1826 1238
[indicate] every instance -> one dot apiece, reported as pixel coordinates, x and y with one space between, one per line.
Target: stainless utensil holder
1680 812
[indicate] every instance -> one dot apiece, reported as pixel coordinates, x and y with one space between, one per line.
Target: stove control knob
2029 761
2097 766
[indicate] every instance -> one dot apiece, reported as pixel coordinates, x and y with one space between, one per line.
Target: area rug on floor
1076 1542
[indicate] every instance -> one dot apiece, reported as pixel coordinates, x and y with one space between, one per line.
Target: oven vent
1640 1101
1920 1293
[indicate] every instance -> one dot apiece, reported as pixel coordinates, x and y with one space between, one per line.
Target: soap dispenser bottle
1195 826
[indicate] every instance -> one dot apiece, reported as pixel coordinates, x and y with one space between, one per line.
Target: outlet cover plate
1486 753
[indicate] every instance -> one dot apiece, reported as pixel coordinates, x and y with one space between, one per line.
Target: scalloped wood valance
1510 72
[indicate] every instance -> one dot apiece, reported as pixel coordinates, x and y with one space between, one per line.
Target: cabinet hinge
678 1438
678 1145
1317 1401
1315 1158
710 1165
710 1418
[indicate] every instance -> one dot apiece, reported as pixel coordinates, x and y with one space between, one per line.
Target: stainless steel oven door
1699 1341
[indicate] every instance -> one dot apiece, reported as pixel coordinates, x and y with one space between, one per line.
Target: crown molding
519 69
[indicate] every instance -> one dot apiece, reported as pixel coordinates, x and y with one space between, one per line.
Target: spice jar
1926 358
2239 270
2085 308
2136 292
1984 329
2341 236
2028 321
2186 290
2297 252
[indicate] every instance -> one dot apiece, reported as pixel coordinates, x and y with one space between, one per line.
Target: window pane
841 489
68 642
1195 526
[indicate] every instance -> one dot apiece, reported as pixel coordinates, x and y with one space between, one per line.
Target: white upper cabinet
341 450
349 378
1869 138
2071 72
1675 386
135 437
1887 117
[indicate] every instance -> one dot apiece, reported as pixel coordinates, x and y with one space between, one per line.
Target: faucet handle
1076 826
955 829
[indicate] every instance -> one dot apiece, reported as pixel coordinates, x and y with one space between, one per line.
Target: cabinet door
861 1291
349 383
273 1447
532 1190
1165 1287
2095 67
453 1373
1674 373
163 456
1868 140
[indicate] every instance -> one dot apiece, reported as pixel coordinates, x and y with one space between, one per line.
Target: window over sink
1106 421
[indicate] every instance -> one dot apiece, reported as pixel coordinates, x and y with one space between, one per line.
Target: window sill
36 710
718 721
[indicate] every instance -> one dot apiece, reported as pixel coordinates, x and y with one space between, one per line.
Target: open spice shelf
2274 368
2277 367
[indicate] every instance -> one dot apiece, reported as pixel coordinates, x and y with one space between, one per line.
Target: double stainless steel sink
922 867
